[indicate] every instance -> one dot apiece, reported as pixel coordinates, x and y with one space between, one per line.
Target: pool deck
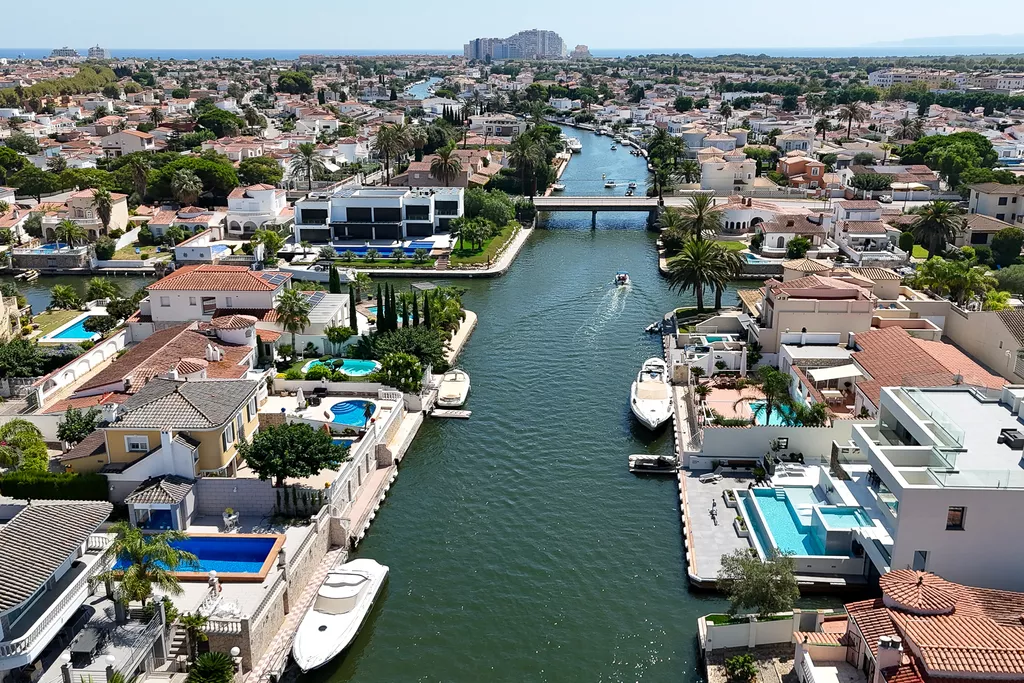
51 338
704 541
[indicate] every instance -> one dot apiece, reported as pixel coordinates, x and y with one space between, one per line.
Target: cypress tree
334 281
393 304
426 309
405 313
352 320
415 310
381 311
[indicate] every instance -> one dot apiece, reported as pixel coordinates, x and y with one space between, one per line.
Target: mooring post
593 220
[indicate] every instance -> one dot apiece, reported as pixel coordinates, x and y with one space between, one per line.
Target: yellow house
176 427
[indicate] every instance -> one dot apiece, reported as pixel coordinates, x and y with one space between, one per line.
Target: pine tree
415 310
426 309
334 281
353 322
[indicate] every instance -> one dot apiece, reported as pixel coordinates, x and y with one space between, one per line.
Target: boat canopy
340 593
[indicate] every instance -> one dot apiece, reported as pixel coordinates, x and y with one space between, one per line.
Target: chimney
109 411
890 654
821 219
172 374
852 342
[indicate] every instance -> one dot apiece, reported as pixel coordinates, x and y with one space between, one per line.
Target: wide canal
520 547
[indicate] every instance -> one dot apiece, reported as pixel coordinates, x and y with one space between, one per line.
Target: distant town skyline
405 25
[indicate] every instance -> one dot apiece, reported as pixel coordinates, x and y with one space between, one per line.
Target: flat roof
980 422
815 352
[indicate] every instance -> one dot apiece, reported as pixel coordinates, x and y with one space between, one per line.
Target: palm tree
525 155
670 219
103 202
445 167
822 126
698 265
293 312
726 111
702 390
908 129
252 117
371 255
102 288
417 140
156 116
851 112
937 223
195 629
391 141
700 218
186 186
774 384
801 415
148 559
307 163
766 100
139 167
69 232
64 297
690 171
306 246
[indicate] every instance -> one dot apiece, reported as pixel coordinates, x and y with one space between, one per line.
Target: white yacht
609 183
454 389
342 603
574 145
650 397
557 187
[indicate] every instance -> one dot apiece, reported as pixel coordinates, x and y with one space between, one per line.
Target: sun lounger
710 477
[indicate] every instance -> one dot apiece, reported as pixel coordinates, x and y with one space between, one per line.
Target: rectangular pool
792 527
235 557
76 332
790 534
781 415
844 518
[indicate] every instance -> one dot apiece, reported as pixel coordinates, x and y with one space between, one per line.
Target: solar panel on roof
314 298
274 278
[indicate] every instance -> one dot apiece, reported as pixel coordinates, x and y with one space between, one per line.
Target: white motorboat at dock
650 396
454 389
341 606
642 463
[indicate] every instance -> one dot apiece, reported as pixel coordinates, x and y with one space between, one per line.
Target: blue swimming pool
778 417
223 554
845 518
385 252
343 441
353 367
719 337
352 412
373 310
75 332
757 260
790 533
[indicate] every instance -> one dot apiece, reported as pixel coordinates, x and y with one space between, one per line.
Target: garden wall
723 443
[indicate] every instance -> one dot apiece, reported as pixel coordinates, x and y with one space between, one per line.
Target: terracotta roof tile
212 278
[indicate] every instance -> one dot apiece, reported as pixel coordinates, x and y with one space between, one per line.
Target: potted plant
230 518
740 525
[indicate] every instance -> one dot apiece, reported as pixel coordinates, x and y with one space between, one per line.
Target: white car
885 199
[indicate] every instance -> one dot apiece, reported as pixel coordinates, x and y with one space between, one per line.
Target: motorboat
342 604
557 187
622 278
629 193
614 147
574 145
632 185
651 394
653 328
454 389
27 276
609 183
642 463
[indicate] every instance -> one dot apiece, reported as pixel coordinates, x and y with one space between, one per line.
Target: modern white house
1002 202
949 480
127 142
256 207
376 213
502 125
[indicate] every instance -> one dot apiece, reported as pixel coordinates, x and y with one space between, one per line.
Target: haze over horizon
405 25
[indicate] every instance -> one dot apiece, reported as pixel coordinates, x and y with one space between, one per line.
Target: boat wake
611 305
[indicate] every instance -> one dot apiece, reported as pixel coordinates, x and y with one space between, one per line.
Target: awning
908 186
838 372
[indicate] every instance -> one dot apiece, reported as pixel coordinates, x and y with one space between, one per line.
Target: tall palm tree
103 202
670 219
726 111
418 140
391 141
700 264
801 415
70 232
149 560
445 167
908 129
700 217
525 154
774 385
822 126
689 170
937 223
139 167
293 313
307 163
186 186
766 100
886 148
156 116
252 117
854 111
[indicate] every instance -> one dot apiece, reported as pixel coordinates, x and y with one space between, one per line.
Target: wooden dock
460 414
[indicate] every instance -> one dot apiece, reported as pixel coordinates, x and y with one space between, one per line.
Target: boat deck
460 414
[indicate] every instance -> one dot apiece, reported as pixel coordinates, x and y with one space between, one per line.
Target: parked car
885 199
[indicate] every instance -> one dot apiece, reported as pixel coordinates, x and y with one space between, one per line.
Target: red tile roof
218 279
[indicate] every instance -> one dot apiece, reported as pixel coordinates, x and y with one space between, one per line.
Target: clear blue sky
398 24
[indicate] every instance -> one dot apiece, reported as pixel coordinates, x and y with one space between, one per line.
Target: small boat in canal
27 276
632 185
454 389
342 604
609 183
650 397
642 463
614 147
557 187
622 278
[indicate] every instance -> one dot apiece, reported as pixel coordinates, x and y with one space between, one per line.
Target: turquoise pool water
239 554
372 309
754 258
779 413
790 534
353 367
845 518
343 441
76 331
718 337
352 412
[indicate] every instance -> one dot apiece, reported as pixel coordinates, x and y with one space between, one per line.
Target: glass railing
944 428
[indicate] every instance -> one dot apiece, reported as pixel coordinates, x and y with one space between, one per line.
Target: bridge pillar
593 220
652 218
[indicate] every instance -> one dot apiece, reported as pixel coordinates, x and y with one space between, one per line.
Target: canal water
38 292
421 91
520 547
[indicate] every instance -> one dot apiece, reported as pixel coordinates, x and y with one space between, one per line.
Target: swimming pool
710 338
353 412
385 251
76 332
352 367
790 533
757 260
343 441
238 557
844 518
372 309
778 416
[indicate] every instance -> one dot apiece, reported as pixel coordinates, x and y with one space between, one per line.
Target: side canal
520 547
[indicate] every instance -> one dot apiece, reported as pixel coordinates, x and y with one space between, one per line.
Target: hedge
53 486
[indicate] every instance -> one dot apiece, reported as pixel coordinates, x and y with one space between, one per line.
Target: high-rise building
532 44
97 52
64 52
580 52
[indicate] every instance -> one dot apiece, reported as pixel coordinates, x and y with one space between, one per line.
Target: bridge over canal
595 204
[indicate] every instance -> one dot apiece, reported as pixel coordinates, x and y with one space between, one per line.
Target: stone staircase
442 262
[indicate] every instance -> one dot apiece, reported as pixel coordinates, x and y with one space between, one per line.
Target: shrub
906 242
293 373
318 372
52 486
741 668
212 667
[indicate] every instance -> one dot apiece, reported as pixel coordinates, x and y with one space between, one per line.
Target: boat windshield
340 593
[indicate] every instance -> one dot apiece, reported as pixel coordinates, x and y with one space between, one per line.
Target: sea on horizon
259 53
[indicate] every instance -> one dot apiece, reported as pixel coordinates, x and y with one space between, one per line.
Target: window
136 444
920 560
1000 216
229 302
979 238
191 301
250 409
239 424
955 518
227 437
1002 201
165 301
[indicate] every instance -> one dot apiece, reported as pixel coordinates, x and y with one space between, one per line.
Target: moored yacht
454 389
650 397
557 187
342 603
574 145
642 463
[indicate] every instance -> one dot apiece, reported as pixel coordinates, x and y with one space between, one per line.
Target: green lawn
920 252
128 253
731 245
50 320
487 251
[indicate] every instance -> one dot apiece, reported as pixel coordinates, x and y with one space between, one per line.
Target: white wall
753 442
